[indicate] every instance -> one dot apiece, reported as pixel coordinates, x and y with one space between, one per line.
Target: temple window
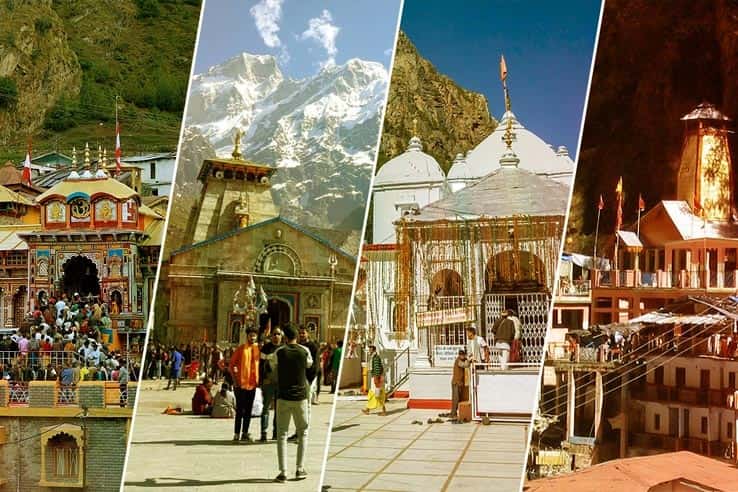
62 456
129 211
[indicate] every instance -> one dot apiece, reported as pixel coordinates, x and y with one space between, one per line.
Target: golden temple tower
705 167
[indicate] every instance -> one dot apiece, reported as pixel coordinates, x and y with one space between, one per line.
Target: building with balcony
682 246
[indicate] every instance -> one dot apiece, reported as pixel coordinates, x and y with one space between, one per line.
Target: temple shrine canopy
93 201
411 167
535 155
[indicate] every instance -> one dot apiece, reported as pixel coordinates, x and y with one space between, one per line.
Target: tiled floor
185 452
392 454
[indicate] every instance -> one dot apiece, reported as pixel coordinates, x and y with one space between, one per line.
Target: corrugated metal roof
10 241
504 192
155 230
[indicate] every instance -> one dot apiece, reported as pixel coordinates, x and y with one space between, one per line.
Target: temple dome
535 155
411 167
459 169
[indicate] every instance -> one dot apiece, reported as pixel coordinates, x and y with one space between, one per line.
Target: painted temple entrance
80 276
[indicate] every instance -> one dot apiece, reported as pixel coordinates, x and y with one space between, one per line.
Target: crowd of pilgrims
62 340
207 359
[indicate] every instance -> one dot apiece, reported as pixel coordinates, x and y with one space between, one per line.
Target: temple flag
26 177
118 152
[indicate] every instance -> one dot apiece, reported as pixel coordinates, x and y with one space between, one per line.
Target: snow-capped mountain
320 131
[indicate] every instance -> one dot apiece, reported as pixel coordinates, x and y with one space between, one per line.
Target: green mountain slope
66 60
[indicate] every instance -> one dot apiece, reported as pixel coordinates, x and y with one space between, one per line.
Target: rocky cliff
655 62
35 54
66 60
450 119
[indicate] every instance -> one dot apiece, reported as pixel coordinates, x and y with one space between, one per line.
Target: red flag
118 152
601 203
26 177
503 68
641 203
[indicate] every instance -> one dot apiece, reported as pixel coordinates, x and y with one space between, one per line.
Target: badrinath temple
88 234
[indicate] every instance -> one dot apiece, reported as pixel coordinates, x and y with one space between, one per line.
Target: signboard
445 355
445 316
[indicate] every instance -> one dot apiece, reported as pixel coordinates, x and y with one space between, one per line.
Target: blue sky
548 48
303 34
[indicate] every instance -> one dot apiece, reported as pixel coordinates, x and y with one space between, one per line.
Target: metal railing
400 369
681 279
18 393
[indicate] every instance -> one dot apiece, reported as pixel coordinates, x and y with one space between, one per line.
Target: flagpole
597 234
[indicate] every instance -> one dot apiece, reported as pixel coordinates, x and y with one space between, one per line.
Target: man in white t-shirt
476 346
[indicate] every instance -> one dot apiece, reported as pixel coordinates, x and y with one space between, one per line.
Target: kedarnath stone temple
246 266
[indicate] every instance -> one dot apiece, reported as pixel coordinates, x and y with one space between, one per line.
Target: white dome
412 166
459 169
73 175
535 155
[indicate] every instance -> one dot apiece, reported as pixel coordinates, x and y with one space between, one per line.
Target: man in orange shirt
244 367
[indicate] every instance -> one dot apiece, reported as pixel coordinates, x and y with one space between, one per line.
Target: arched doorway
19 306
279 312
80 276
515 271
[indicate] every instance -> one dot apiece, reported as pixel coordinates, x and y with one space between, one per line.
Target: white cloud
322 30
267 14
388 51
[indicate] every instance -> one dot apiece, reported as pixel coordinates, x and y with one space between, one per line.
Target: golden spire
237 144
99 154
87 155
74 157
415 127
105 160
508 136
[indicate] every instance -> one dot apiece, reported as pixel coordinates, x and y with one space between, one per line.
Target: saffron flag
619 191
26 177
641 203
601 204
118 152
503 68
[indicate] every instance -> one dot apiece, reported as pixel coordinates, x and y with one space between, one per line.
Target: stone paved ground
187 452
392 454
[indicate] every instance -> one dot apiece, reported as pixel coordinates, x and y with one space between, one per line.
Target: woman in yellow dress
377 395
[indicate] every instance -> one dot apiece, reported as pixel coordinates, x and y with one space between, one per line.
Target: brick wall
105 446
42 393
4 393
91 394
